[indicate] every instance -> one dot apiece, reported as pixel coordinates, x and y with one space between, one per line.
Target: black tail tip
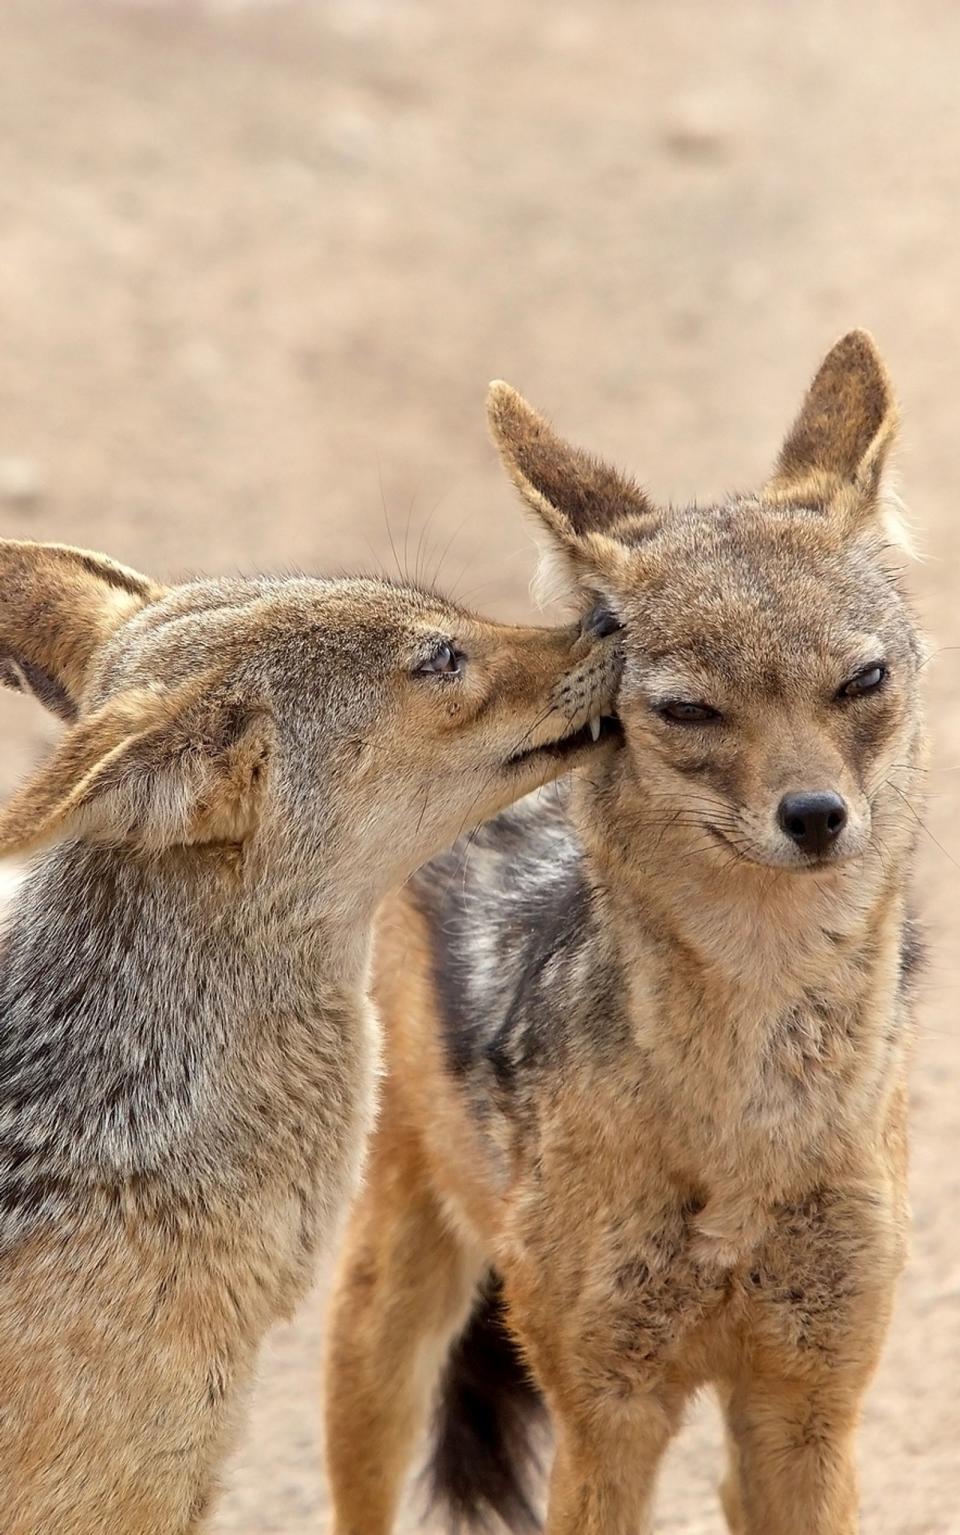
489 1419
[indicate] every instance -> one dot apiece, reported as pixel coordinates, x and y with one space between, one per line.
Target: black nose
812 821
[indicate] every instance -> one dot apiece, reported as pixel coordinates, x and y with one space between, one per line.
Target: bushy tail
489 1417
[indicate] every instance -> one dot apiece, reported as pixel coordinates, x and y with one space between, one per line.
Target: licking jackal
187 1053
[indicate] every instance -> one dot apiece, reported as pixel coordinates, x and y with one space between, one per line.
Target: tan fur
187 1054
701 1177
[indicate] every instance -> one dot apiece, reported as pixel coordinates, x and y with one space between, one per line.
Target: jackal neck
137 998
753 939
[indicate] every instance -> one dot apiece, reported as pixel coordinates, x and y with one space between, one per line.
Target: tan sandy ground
256 261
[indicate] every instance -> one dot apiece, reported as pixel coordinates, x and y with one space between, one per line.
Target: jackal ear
840 441
57 608
149 769
584 505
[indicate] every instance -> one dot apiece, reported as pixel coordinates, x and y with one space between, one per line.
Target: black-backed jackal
644 1122
187 1054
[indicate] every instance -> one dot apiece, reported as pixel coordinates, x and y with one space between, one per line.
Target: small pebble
696 132
21 483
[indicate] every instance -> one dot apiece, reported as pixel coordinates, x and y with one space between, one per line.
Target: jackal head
298 718
769 695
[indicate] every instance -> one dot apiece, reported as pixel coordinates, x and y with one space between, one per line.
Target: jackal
187 1055
644 1122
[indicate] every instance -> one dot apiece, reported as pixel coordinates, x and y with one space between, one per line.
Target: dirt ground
257 264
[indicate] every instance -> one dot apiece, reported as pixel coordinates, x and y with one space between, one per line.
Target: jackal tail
489 1426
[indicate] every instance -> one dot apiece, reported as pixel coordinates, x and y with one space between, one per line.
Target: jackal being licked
644 1124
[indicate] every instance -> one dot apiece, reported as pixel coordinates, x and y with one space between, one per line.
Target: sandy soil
257 265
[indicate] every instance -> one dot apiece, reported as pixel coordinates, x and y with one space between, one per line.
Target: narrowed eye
601 621
445 661
867 681
683 713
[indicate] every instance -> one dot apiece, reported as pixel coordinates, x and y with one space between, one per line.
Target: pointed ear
152 770
580 501
57 608
838 446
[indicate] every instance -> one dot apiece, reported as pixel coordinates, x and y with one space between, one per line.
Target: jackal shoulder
518 951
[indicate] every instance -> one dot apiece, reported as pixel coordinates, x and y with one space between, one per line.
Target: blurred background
257 265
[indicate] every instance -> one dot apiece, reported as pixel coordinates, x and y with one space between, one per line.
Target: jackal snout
797 792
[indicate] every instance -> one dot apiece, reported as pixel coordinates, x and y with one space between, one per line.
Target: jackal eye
601 621
445 661
866 681
680 712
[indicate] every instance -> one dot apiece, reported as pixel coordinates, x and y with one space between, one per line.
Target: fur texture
187 1055
648 1047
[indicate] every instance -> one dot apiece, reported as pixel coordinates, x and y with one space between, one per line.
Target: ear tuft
845 428
896 526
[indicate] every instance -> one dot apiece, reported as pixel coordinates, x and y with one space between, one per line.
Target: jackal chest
625 1304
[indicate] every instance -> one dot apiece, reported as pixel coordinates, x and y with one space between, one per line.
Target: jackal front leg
605 1469
792 1469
